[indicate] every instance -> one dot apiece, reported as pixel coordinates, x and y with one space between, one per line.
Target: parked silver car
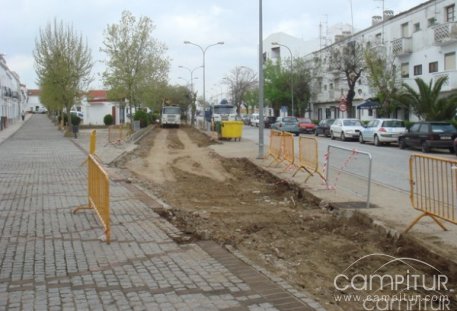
382 131
346 129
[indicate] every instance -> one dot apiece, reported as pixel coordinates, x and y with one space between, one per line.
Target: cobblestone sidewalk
51 259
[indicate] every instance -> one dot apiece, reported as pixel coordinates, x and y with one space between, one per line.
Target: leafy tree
427 103
251 99
136 63
301 87
239 81
277 87
384 78
63 65
348 60
141 116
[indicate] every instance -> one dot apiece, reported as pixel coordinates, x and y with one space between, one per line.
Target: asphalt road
390 164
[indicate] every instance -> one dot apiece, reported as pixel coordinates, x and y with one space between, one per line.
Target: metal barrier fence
98 194
118 134
350 170
433 188
308 157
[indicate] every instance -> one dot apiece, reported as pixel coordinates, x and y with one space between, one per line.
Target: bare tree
239 81
347 59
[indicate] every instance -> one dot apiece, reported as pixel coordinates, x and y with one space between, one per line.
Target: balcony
445 34
402 46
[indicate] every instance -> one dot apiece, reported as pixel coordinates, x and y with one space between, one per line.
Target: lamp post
292 75
191 75
261 154
204 67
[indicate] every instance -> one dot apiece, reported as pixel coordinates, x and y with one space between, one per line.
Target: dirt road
275 224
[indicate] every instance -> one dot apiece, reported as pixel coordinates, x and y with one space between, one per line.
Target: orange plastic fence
288 148
275 147
433 188
98 194
308 157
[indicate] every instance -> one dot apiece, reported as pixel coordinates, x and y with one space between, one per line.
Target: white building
423 42
12 95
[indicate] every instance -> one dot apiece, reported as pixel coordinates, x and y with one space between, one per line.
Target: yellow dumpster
231 129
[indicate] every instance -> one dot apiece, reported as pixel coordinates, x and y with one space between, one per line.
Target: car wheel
425 148
401 144
376 141
332 137
361 139
316 133
451 149
342 137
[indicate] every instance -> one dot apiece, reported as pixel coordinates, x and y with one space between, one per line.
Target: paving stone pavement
51 259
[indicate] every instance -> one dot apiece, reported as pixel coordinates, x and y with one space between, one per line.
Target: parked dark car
324 127
268 121
429 135
306 126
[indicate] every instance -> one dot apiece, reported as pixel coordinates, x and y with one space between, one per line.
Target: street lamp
291 69
204 68
261 154
191 76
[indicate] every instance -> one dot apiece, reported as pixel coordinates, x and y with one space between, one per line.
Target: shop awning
369 104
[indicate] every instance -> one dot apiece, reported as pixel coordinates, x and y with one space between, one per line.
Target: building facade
13 95
422 43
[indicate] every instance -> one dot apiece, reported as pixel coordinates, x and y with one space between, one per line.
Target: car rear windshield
351 123
301 120
393 123
171 110
443 128
289 120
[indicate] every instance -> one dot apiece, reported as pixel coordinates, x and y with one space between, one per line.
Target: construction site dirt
312 245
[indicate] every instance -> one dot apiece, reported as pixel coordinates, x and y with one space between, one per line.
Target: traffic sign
343 105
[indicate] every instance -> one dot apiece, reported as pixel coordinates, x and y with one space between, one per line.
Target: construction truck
170 116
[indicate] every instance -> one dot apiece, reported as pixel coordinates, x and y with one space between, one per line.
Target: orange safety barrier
288 148
92 141
433 188
275 147
98 194
308 157
118 134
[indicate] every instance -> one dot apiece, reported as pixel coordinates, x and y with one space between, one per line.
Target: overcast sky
204 22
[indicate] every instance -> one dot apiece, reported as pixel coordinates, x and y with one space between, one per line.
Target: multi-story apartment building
12 95
422 42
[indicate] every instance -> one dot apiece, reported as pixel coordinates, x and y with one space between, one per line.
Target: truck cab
170 116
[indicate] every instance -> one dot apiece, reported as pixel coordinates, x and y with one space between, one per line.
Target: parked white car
255 120
382 131
346 129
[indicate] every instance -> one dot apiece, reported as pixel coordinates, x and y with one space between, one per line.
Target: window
449 61
378 37
415 127
431 21
417 70
405 70
424 128
404 30
433 67
417 27
450 13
